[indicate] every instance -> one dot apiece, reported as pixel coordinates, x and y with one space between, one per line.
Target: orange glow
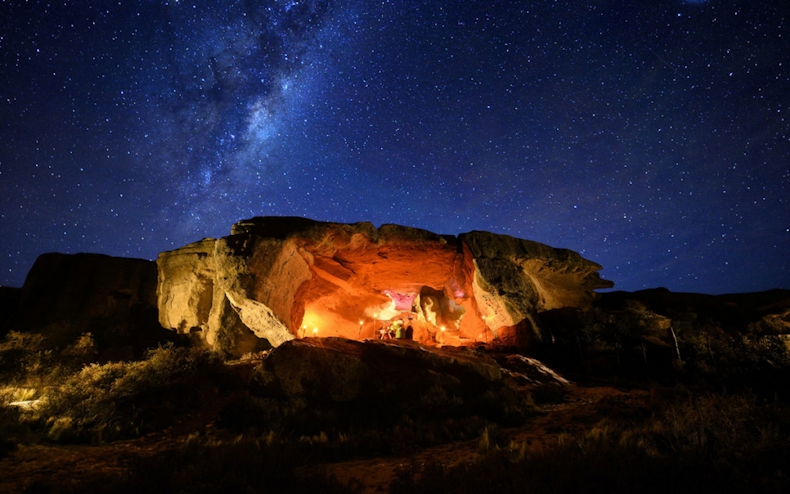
312 319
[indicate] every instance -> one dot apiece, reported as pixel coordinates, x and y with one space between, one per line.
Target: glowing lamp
442 328
315 330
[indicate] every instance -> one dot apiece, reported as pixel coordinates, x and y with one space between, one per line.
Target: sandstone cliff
279 278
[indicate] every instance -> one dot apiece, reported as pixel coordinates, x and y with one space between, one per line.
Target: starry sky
651 137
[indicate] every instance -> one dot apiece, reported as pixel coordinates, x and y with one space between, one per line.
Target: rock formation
385 384
112 298
341 370
9 304
279 278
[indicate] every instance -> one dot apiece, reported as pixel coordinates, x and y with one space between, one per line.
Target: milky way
652 137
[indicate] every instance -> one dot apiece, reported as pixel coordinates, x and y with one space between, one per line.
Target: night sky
652 137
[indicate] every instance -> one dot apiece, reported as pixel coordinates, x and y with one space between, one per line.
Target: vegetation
718 417
52 395
712 443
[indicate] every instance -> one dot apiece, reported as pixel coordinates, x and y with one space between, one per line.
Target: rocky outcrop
283 278
192 299
9 305
514 279
112 298
760 312
341 370
382 385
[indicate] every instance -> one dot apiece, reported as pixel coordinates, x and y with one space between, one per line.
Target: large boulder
515 278
280 278
315 383
341 370
112 298
192 301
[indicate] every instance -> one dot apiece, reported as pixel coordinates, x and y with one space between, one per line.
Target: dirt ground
81 465
585 406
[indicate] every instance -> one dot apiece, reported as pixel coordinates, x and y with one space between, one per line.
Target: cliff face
283 278
113 298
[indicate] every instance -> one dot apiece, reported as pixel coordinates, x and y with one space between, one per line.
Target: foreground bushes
127 399
105 402
710 444
109 401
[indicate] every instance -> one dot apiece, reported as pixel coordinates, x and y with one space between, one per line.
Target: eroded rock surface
341 370
286 278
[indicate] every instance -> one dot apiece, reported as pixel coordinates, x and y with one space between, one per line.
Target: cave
284 278
360 293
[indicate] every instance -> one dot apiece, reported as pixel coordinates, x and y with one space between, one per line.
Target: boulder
185 287
287 278
191 299
112 298
341 370
312 384
514 278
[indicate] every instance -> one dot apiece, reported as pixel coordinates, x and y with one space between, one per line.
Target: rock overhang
287 277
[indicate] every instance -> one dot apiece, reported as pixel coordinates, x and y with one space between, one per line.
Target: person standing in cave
408 331
397 328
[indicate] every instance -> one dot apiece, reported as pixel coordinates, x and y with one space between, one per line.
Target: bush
129 399
713 443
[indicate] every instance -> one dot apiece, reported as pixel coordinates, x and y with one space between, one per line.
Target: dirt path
76 466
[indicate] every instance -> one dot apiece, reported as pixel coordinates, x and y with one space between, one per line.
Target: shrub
128 399
713 443
23 355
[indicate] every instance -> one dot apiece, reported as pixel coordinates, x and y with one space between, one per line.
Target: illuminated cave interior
359 291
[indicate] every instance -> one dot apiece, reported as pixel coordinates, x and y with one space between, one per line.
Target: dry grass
712 443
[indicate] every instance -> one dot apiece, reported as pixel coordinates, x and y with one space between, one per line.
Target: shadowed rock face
284 278
111 297
339 370
9 305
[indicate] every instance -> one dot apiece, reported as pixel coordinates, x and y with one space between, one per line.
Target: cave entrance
419 293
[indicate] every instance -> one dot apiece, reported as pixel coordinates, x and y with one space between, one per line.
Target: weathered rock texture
386 384
112 298
340 370
281 278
